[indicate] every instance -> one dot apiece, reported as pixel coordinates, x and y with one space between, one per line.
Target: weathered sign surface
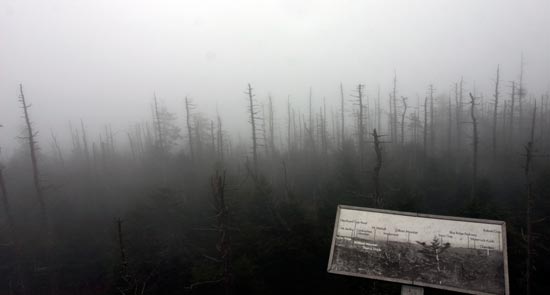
459 254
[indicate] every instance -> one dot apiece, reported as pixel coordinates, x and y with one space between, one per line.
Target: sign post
419 250
410 290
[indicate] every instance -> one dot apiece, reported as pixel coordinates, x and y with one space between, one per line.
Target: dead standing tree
377 168
253 112
475 145
432 125
405 106
529 202
361 125
160 139
224 240
495 112
39 190
342 118
33 147
188 106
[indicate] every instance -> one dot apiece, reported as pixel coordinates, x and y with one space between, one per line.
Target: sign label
458 254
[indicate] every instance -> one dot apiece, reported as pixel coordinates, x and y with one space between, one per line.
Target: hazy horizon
101 61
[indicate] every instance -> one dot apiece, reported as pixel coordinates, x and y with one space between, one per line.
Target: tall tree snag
253 112
475 144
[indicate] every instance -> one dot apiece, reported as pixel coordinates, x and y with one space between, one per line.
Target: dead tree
459 101
57 149
220 139
404 100
188 106
432 125
529 148
394 109
449 125
495 112
271 126
33 147
224 240
85 142
512 111
158 127
342 117
39 190
425 129
475 144
378 111
377 168
253 117
289 125
521 95
360 129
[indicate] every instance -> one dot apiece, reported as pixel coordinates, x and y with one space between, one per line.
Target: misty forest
178 201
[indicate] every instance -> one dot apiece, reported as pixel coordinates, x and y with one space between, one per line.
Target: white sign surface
459 254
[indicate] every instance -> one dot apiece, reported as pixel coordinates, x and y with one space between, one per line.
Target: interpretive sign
459 254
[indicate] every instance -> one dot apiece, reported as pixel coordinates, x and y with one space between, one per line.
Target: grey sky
102 60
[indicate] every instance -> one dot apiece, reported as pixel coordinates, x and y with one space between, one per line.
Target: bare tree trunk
85 142
521 95
475 144
289 133
449 126
39 190
271 127
224 240
394 108
529 201
220 140
361 130
377 168
343 126
404 100
425 125
495 113
57 149
158 124
253 113
459 102
378 111
188 106
512 112
31 136
432 125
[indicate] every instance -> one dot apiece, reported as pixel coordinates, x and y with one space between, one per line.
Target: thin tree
188 106
475 144
404 101
529 148
271 126
377 168
361 131
495 112
425 129
342 117
158 124
224 240
253 116
432 125
394 108
33 148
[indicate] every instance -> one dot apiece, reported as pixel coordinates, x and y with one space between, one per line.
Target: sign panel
459 254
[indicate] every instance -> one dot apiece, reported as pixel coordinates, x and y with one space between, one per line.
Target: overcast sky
101 60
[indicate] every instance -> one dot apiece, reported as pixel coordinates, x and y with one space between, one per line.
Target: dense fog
202 147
